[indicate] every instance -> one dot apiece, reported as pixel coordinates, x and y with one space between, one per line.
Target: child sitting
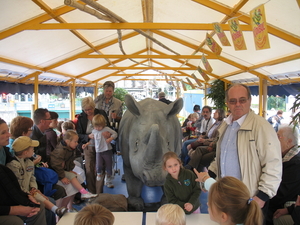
94 214
23 168
189 131
62 161
103 148
180 186
229 201
170 214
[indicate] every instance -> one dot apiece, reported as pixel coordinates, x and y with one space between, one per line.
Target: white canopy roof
61 44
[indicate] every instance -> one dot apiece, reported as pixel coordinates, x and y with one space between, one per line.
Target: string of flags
260 32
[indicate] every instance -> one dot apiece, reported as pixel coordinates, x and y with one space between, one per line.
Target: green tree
120 93
217 94
276 102
296 106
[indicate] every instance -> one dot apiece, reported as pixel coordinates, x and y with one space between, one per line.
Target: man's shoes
123 177
61 211
88 195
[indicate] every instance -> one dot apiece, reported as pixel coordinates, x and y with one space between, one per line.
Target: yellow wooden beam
34 21
33 75
87 52
131 26
146 56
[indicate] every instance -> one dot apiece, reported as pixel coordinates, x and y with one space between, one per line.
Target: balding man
248 148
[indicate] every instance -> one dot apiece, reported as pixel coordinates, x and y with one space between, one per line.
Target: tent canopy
143 39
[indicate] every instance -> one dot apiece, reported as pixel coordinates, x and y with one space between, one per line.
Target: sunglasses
233 101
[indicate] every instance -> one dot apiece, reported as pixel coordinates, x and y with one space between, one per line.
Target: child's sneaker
98 177
61 211
110 185
88 195
109 180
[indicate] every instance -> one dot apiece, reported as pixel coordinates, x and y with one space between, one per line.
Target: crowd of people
250 168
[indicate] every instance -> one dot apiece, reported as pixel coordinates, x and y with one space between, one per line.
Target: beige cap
24 142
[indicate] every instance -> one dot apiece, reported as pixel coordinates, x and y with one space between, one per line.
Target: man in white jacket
248 148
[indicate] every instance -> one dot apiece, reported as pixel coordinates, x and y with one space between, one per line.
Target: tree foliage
217 94
120 93
295 107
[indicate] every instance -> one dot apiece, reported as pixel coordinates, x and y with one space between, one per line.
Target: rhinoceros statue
148 129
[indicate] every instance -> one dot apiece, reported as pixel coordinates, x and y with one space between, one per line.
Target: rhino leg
134 189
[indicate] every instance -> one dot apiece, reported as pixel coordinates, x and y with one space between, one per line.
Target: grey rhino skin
148 129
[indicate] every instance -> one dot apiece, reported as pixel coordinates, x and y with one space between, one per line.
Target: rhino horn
153 142
174 107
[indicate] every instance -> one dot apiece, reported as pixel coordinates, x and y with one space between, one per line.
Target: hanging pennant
183 85
177 82
221 34
237 34
197 80
206 64
166 79
259 27
190 83
203 74
213 45
171 81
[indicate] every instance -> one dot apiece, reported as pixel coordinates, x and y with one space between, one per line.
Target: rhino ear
174 107
132 105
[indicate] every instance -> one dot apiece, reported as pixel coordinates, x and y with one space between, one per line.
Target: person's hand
202 176
65 180
280 212
189 147
210 149
32 199
23 211
109 140
200 139
85 145
37 159
45 164
260 202
188 206
91 136
106 134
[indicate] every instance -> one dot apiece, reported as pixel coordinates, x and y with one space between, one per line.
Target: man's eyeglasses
48 119
233 101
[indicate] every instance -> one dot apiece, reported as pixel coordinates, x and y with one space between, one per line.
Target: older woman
111 105
84 129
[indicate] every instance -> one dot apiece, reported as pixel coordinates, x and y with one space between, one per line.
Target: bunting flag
213 45
197 80
183 85
171 81
206 64
190 83
259 27
166 79
237 34
177 82
203 74
221 34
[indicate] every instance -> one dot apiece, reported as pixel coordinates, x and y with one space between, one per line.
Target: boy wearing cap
23 168
162 98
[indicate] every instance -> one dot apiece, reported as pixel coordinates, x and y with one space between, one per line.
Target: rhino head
149 129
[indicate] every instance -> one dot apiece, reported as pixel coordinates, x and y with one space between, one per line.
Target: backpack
46 177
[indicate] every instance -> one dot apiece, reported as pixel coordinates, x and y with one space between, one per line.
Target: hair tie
249 200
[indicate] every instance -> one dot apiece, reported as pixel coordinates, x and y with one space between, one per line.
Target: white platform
121 218
193 219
